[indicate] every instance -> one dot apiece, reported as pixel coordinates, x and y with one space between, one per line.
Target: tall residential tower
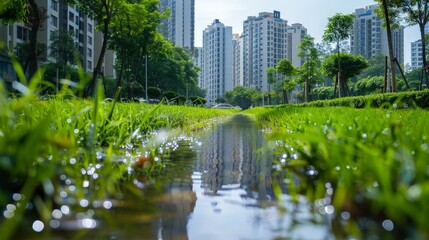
369 38
217 61
179 28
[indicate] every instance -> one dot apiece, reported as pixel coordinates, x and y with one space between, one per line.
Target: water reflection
217 188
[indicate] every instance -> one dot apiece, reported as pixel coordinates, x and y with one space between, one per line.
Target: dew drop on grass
38 226
364 136
76 131
414 192
388 225
65 209
84 203
57 214
54 224
72 161
17 196
1 133
8 214
69 120
345 215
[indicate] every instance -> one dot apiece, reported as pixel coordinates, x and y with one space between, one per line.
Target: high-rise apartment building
179 28
295 33
416 54
369 38
237 60
266 40
198 61
217 61
59 16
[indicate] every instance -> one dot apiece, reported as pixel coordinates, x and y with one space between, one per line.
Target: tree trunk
100 61
390 45
285 96
425 62
35 26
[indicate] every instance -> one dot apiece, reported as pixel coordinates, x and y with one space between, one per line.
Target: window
90 40
89 65
54 21
89 28
54 5
89 52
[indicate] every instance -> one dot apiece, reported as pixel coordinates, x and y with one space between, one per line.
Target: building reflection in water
232 155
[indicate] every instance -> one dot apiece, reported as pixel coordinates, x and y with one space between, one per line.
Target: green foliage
22 51
338 28
63 48
323 93
351 65
13 10
241 96
375 67
45 142
369 85
370 164
415 99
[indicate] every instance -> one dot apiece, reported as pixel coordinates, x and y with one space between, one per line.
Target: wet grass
71 152
366 169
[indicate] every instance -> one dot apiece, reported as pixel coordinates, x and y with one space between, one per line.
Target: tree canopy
338 28
352 65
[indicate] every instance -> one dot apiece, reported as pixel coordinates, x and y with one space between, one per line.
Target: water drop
388 225
65 209
84 203
38 226
57 214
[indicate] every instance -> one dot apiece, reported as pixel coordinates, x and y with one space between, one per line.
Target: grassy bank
367 169
65 151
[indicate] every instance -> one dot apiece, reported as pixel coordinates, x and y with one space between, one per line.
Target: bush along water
60 155
365 169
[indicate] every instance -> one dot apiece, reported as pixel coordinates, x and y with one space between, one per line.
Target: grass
79 148
370 165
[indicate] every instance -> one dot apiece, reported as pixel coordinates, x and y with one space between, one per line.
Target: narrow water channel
222 189
219 186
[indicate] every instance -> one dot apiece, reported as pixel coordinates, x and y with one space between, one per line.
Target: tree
369 85
286 68
337 30
133 30
352 65
375 67
102 11
390 16
309 70
241 96
271 71
63 50
417 13
28 12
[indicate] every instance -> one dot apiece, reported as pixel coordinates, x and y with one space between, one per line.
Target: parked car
226 106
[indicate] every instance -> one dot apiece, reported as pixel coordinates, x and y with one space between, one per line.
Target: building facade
267 39
61 16
416 54
179 28
369 38
237 60
295 33
217 61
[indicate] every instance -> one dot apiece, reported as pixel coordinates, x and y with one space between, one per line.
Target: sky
312 14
